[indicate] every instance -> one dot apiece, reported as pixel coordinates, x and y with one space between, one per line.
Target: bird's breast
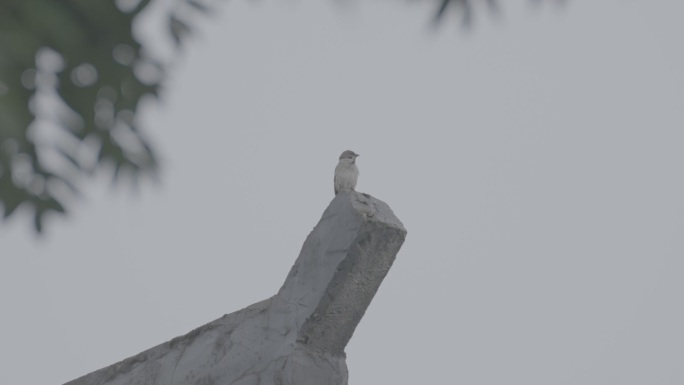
346 175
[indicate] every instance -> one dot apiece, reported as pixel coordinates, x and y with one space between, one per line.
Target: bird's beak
357 155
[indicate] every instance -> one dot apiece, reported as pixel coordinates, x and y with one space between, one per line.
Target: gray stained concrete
296 337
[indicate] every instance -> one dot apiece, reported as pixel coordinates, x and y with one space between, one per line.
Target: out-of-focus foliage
466 8
72 77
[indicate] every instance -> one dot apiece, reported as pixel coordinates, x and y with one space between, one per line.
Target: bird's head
349 155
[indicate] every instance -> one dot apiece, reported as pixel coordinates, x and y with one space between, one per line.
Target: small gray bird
346 172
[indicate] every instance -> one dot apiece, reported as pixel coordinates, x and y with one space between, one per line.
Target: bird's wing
335 184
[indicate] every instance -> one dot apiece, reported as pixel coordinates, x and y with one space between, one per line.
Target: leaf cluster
72 78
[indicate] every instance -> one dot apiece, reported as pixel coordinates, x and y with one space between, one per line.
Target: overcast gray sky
536 162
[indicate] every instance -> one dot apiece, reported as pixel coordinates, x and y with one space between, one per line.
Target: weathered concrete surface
296 337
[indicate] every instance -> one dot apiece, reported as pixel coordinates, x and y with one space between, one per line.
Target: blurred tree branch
72 77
